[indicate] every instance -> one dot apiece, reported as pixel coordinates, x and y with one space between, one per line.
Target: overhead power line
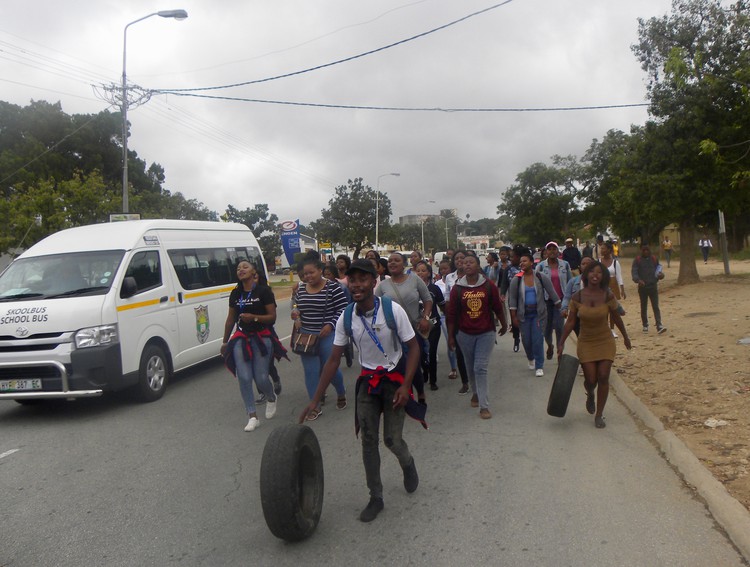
345 60
414 109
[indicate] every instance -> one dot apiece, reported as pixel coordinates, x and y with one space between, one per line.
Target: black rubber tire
562 386
154 372
291 482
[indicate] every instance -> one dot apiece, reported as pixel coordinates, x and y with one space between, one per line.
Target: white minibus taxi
109 306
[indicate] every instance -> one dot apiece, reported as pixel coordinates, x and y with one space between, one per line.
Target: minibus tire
153 374
291 482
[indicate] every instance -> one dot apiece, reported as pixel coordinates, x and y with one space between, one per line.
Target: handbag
305 343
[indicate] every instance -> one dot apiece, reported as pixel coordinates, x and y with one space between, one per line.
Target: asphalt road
111 482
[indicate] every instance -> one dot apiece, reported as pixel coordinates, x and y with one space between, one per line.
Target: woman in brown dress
593 305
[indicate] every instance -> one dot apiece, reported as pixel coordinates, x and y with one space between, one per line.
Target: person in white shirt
384 386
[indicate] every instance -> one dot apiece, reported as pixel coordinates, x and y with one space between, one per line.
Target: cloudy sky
525 54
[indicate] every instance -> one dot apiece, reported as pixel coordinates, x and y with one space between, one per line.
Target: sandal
313 415
590 403
599 422
341 402
453 375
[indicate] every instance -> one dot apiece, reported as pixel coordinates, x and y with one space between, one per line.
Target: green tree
545 201
263 224
694 58
350 217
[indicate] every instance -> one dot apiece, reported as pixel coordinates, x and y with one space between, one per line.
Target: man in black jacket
647 272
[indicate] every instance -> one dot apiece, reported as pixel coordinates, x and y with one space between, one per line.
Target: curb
732 516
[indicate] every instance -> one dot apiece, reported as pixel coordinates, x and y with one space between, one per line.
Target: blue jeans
255 370
555 322
477 350
532 338
451 353
313 365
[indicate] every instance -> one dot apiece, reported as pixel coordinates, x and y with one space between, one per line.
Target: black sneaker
277 388
371 511
411 478
464 390
261 399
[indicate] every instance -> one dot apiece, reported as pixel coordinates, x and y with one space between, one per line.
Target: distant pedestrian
616 282
445 269
423 270
558 271
528 309
705 246
249 349
592 305
410 292
646 272
667 246
508 273
457 272
588 251
342 265
474 300
492 268
572 255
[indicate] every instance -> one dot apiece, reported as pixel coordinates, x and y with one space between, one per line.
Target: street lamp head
176 14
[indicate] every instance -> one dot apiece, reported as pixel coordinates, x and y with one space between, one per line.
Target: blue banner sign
290 240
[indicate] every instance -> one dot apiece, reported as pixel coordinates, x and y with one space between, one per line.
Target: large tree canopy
68 170
350 216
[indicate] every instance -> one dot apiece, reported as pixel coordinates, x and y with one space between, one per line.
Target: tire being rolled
291 482
562 386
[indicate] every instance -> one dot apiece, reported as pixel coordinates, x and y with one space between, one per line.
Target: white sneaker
539 373
252 424
645 329
614 334
531 365
270 409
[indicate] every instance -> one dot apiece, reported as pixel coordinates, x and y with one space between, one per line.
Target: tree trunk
688 270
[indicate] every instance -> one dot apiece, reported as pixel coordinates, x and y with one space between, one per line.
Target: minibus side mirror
129 287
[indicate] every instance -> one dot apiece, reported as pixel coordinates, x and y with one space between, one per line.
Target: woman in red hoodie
473 301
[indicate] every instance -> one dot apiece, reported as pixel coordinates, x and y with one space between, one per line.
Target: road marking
8 453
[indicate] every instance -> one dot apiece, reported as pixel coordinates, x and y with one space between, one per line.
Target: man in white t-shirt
383 387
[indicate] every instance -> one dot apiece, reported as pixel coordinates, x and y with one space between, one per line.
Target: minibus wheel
291 482
153 374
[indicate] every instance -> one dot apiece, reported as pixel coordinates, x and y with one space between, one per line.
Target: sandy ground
696 377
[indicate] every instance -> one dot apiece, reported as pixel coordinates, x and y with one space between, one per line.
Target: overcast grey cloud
525 54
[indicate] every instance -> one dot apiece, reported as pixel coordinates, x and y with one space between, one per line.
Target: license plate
16 385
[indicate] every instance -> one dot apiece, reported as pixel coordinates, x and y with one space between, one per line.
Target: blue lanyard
370 331
243 301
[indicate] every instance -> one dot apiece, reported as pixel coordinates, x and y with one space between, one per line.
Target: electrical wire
339 61
413 109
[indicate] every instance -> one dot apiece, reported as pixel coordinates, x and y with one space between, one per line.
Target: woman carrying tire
593 305
248 352
409 291
320 302
474 299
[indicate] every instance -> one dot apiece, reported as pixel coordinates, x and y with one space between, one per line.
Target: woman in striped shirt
320 302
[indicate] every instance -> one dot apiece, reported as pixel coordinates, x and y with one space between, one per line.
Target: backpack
390 320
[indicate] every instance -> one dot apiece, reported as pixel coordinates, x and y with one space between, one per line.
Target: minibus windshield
60 275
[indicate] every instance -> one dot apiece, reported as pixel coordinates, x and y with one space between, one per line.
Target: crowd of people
390 314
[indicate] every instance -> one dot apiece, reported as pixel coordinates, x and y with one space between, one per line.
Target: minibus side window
146 269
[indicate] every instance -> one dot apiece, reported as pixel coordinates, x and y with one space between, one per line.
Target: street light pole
177 15
377 208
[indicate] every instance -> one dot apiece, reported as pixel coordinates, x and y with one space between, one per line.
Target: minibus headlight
96 336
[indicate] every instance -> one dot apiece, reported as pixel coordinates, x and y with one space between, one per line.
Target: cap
568 240
551 243
362 265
